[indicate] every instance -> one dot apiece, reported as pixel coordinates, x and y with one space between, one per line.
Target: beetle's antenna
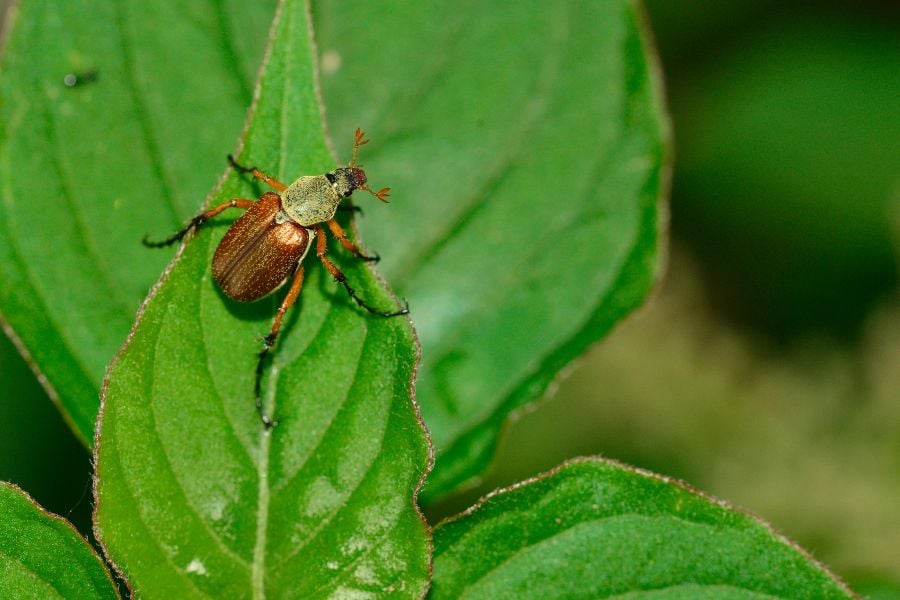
360 134
381 194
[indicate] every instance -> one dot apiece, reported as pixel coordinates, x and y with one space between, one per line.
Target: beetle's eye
359 177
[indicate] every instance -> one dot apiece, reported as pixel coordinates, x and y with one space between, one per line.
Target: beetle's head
347 179
357 176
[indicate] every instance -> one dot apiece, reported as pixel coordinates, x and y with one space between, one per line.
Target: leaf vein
168 464
325 521
142 113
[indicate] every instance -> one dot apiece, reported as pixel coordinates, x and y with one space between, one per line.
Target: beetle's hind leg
321 249
271 181
242 203
269 344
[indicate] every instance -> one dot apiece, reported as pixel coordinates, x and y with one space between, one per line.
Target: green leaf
593 528
194 497
85 172
42 556
526 152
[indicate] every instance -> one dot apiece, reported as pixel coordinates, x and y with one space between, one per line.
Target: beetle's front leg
338 232
242 203
269 343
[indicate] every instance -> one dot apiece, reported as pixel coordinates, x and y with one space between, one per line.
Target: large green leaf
42 556
194 497
526 148
540 118
594 528
86 171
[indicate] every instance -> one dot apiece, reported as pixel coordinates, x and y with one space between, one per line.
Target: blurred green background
766 369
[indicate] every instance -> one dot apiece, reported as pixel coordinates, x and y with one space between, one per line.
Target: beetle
266 246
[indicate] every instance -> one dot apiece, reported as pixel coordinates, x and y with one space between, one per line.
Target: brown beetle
266 246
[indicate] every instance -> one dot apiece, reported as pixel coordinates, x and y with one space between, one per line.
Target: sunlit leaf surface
194 497
526 150
42 556
86 171
596 529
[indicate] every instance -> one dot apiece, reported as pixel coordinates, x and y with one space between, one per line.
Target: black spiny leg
381 313
199 220
269 343
321 248
177 236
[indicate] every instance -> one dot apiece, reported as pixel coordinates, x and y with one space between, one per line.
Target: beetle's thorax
310 200
315 198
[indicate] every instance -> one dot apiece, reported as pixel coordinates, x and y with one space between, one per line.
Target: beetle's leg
269 343
338 232
274 183
321 249
199 220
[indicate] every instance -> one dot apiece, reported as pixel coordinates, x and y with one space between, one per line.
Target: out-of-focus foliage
807 437
37 449
787 124
777 333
